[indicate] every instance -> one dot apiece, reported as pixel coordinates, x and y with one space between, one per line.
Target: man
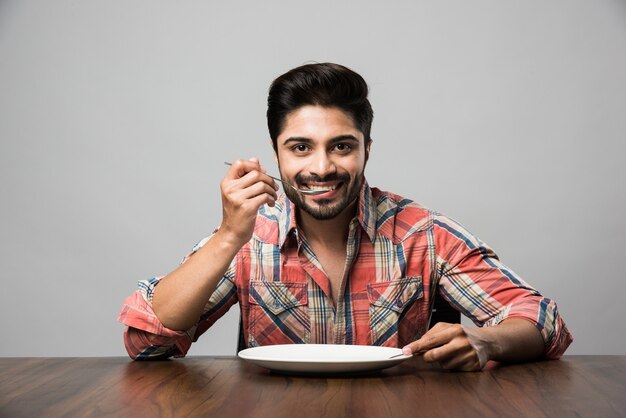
348 265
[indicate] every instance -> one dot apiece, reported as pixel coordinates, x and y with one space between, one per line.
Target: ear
367 149
275 152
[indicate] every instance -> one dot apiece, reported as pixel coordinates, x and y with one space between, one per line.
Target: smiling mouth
320 188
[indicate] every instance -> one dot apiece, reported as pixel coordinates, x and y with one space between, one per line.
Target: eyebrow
301 139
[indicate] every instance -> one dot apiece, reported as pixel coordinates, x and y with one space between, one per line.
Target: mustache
345 177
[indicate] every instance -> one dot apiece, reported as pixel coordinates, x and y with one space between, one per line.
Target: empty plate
323 358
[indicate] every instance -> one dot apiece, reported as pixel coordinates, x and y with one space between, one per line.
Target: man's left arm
517 322
456 347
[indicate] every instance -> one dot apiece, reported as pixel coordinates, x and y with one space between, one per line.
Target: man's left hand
453 346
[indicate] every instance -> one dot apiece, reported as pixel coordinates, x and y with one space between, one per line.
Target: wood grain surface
587 386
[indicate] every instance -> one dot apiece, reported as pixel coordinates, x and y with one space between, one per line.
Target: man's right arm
145 337
163 316
180 297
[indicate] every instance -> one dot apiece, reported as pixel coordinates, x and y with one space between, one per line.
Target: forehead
318 123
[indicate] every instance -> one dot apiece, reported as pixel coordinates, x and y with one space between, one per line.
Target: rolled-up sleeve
474 281
146 338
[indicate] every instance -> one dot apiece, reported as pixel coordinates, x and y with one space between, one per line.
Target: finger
256 160
240 168
262 183
464 362
256 176
255 190
438 335
260 200
440 326
445 352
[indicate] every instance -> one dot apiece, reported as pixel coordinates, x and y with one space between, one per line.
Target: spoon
303 191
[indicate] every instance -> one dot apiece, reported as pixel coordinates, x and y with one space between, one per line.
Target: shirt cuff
542 313
137 313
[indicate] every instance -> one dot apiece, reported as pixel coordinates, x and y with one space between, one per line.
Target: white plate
322 358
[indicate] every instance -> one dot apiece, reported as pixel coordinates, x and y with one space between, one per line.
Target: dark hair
326 84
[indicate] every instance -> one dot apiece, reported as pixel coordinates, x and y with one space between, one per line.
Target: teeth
322 188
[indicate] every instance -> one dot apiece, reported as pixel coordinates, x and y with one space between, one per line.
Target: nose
322 165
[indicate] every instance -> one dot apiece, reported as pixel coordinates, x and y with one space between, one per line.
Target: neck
330 232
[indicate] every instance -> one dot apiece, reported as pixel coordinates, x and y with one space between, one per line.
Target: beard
324 209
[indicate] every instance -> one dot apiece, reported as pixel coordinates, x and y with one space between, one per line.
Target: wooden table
587 386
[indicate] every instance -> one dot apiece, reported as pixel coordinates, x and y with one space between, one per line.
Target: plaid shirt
399 255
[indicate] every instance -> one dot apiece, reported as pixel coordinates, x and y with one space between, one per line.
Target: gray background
115 118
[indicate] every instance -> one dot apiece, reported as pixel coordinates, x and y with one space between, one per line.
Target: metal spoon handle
275 178
309 192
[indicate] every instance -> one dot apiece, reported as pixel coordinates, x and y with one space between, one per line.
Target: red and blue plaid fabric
400 254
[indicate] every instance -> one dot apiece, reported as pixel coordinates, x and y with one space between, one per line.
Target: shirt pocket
279 313
388 303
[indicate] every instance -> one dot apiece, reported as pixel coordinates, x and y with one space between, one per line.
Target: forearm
180 297
513 340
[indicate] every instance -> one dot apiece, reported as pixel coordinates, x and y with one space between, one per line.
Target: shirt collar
377 214
367 211
287 220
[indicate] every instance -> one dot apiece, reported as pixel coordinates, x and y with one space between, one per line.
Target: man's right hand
179 299
245 188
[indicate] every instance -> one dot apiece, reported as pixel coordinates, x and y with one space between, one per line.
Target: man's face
320 148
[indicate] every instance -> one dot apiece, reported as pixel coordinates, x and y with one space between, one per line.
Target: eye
343 147
300 148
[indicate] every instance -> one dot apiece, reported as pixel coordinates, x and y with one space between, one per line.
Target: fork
402 354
